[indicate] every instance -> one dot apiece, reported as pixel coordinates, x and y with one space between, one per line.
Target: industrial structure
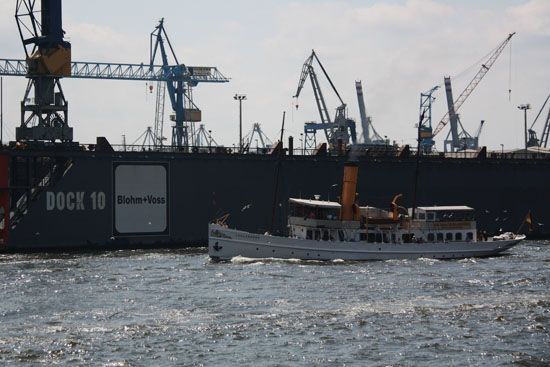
370 136
48 60
56 193
338 131
533 140
203 138
456 139
258 136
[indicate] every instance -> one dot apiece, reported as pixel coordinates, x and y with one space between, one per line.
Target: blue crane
46 37
425 135
179 88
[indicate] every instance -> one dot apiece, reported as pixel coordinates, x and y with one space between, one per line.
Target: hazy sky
397 48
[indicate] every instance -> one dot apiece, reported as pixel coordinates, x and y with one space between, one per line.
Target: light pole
302 143
502 149
240 98
209 138
525 107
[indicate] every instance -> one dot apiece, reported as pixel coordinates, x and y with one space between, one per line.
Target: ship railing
204 149
372 153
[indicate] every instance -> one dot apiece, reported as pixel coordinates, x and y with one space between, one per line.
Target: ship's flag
529 220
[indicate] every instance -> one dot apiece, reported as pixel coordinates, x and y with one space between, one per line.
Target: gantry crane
262 141
50 60
533 139
337 132
427 135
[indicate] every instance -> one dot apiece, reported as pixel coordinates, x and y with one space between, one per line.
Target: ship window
362 236
440 236
385 237
458 236
449 236
379 237
317 235
371 237
421 215
333 235
469 236
431 237
309 234
393 237
325 235
431 216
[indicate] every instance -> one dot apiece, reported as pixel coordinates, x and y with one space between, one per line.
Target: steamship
328 230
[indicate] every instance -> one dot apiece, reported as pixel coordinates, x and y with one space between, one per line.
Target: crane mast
370 136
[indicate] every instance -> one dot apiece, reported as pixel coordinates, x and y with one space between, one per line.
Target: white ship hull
225 243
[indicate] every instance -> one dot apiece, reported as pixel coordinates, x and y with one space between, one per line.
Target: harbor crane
203 138
257 134
48 59
337 132
179 91
427 134
533 140
370 136
457 137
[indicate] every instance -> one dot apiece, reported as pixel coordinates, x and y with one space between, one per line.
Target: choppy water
177 308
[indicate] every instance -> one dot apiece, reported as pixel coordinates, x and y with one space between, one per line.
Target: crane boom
117 71
474 82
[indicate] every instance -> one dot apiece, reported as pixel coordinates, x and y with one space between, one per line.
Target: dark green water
159 308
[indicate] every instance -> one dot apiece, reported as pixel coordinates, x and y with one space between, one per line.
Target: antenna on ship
277 169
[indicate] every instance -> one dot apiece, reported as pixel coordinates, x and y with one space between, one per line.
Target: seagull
247 206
